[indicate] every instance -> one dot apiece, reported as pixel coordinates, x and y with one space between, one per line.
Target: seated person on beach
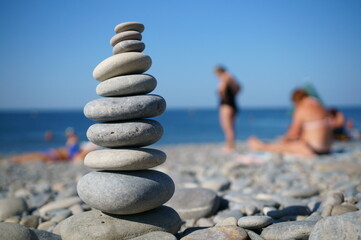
71 151
309 133
338 122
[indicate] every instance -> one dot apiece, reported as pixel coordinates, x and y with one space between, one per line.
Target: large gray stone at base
126 35
125 108
288 230
134 84
125 159
346 226
126 26
125 192
194 203
12 207
122 64
218 233
136 133
13 231
128 46
95 225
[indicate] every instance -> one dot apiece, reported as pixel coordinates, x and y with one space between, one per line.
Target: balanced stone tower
127 198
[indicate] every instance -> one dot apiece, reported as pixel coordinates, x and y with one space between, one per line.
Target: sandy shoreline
278 179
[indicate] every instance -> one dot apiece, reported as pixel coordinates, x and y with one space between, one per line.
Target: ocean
23 131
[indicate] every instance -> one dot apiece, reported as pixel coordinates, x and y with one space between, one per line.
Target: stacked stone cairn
126 197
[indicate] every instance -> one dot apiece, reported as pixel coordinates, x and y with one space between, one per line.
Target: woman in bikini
309 133
227 91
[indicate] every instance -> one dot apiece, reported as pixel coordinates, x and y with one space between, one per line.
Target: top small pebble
128 26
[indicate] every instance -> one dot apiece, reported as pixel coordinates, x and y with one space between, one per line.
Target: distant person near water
228 88
309 133
72 151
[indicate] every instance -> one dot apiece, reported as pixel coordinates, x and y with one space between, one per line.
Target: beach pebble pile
216 196
285 197
126 196
196 194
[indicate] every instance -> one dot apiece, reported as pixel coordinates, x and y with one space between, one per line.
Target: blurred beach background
49 50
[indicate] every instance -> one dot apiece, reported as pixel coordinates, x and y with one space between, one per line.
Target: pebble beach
217 196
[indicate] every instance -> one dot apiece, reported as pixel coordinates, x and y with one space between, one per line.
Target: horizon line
188 108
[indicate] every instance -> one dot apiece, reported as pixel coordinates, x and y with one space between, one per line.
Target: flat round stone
124 108
126 26
125 159
125 192
95 225
127 35
128 46
136 133
135 84
122 64
254 222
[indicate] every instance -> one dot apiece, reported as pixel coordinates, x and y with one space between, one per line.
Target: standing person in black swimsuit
228 89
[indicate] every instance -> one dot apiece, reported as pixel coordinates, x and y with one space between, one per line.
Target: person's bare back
309 133
316 129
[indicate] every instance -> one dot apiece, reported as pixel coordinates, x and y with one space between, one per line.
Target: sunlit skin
60 154
227 114
299 139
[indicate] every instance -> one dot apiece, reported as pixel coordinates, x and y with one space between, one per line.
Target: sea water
23 131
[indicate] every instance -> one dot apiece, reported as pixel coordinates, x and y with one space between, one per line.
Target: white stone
122 64
125 108
134 84
126 26
254 222
136 133
128 46
127 35
124 159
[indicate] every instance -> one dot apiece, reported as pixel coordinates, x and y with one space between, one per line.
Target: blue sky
50 48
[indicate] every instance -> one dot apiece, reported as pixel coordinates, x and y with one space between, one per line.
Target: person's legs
59 154
227 119
294 147
34 156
